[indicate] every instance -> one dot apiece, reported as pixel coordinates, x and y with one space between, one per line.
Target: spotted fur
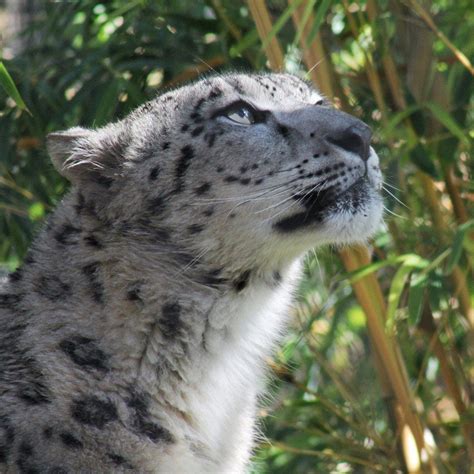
134 337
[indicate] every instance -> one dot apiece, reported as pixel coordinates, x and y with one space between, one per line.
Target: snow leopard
134 337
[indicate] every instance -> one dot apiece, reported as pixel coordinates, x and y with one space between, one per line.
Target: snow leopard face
257 167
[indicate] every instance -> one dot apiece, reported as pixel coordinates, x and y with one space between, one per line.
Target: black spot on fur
25 451
7 436
91 241
19 371
215 93
187 154
57 470
141 422
35 391
70 440
48 432
185 127
157 205
199 103
93 411
52 288
238 87
154 173
133 293
242 281
154 432
17 275
92 271
244 181
195 228
9 300
213 278
119 460
204 188
185 259
161 234
231 179
104 181
138 402
283 131
255 166
277 277
85 353
210 139
170 321
165 145
208 212
83 206
258 181
67 234
80 203
220 169
244 169
197 131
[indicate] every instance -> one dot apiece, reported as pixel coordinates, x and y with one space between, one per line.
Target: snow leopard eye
319 102
241 113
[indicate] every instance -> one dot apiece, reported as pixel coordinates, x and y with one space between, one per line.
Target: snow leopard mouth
319 204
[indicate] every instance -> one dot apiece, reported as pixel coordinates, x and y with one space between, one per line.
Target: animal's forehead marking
272 88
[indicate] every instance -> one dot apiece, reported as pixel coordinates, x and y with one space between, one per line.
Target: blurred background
376 373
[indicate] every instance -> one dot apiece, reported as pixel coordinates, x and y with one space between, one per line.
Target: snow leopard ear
85 156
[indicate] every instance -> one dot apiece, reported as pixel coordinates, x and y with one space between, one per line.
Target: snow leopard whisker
298 201
394 213
250 197
386 183
393 196
274 205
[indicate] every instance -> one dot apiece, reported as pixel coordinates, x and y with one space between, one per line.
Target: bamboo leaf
457 247
246 42
421 156
446 119
10 88
398 118
414 260
280 23
318 19
304 20
411 262
415 299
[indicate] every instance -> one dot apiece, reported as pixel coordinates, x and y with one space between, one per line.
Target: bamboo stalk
453 191
315 55
439 223
372 74
426 17
390 68
371 299
263 23
193 71
428 325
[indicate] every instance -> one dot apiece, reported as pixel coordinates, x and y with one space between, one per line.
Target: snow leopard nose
355 138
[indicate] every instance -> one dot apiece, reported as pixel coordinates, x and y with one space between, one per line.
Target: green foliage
88 63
